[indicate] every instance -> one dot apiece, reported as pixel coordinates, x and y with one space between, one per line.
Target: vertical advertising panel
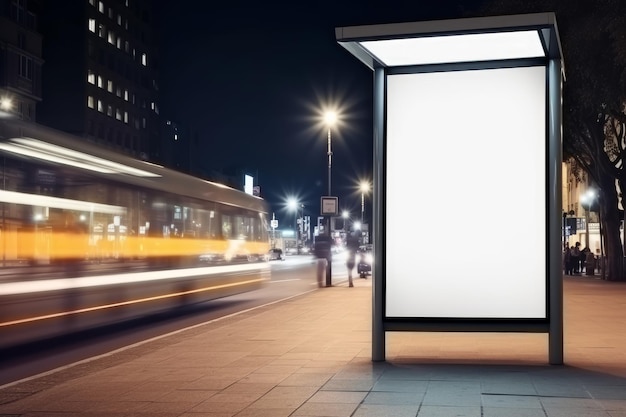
465 207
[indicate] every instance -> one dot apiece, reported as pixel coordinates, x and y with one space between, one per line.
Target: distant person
323 254
352 246
576 258
567 260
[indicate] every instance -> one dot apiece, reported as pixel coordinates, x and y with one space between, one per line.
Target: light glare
457 48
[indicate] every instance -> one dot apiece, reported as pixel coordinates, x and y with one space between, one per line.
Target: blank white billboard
466 194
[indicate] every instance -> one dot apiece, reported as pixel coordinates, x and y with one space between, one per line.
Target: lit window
90 102
101 30
119 19
119 43
126 117
118 91
144 59
101 7
118 114
152 105
100 81
91 77
110 86
111 37
100 106
92 25
126 94
110 111
92 2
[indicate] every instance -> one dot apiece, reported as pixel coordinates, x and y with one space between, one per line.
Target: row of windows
120 92
119 114
101 8
116 40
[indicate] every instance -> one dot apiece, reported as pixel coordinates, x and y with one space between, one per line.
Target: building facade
100 73
20 58
579 199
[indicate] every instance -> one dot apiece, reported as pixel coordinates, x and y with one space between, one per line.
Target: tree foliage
593 40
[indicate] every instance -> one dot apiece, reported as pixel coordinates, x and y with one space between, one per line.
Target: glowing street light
6 104
346 215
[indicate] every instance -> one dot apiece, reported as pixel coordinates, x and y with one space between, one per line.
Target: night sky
250 78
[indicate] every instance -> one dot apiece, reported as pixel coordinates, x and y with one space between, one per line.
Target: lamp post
586 201
292 204
365 188
330 118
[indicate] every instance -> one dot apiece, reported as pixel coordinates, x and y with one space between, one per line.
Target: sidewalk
311 356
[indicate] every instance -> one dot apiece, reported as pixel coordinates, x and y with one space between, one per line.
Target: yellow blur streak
55 245
125 303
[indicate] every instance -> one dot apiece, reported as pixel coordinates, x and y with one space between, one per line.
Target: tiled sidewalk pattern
311 356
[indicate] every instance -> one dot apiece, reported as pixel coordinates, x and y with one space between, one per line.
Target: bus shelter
467 175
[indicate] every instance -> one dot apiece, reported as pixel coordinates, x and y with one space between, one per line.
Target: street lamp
586 201
346 215
365 188
292 204
330 118
6 104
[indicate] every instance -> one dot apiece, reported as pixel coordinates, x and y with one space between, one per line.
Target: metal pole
330 162
329 265
378 326
362 206
555 155
587 227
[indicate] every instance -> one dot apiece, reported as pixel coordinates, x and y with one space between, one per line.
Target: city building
20 58
100 73
579 197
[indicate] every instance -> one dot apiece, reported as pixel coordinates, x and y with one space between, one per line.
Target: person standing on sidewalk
322 253
352 246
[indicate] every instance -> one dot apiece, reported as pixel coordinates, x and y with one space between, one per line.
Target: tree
593 39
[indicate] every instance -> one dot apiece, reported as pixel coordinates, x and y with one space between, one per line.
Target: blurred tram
89 237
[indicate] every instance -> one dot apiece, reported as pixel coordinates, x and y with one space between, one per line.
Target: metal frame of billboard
361 41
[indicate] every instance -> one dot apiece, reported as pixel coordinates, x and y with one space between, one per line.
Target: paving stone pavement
311 356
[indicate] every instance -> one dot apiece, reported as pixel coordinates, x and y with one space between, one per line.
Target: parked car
365 258
275 255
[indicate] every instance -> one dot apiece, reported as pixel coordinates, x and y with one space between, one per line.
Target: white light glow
456 48
14 197
53 153
451 251
26 287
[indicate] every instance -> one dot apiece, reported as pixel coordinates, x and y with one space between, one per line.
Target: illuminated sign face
466 194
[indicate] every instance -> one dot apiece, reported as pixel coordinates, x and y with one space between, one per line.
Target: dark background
250 77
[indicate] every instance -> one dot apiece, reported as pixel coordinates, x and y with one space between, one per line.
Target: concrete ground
311 356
